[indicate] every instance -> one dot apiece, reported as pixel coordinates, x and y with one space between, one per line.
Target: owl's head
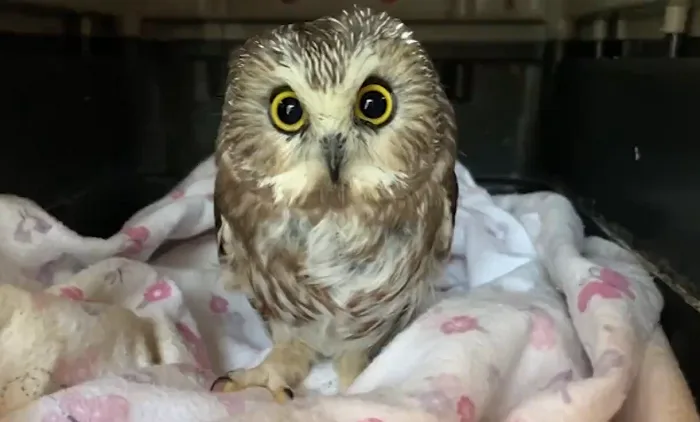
334 111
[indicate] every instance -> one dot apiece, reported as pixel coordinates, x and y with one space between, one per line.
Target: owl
335 190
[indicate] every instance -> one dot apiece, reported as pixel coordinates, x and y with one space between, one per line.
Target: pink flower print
195 345
157 291
29 224
160 290
233 402
611 285
466 409
76 408
137 237
543 334
73 293
461 324
613 278
218 304
70 372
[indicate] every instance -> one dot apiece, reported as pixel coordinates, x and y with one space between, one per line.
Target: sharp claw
222 384
284 395
226 384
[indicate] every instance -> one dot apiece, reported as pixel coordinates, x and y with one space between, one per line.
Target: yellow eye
374 105
286 112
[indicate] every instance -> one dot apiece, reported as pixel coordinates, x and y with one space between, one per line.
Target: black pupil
289 111
373 104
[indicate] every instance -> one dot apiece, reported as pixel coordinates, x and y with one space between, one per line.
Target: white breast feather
332 239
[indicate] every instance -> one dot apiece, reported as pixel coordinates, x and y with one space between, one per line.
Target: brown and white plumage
335 227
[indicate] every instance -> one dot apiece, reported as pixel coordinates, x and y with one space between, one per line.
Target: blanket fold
535 322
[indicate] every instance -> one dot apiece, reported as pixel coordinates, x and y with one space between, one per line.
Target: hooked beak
334 153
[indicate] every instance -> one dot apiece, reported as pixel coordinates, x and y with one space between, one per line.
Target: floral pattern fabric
534 323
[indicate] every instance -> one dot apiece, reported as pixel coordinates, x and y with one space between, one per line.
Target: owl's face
332 111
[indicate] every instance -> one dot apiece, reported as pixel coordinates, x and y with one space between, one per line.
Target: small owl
335 190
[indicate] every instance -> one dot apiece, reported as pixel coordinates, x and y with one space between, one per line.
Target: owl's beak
334 151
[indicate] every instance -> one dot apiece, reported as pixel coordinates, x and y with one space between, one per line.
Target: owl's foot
286 366
348 366
240 380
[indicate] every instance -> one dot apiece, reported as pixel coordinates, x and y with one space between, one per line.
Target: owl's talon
226 385
284 395
231 383
220 384
349 366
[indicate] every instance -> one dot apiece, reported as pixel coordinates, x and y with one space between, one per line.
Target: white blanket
538 323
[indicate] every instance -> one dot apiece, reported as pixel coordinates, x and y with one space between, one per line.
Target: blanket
534 322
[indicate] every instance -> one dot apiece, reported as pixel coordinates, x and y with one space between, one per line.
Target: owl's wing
272 281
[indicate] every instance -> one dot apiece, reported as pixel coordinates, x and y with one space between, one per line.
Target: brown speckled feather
339 266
